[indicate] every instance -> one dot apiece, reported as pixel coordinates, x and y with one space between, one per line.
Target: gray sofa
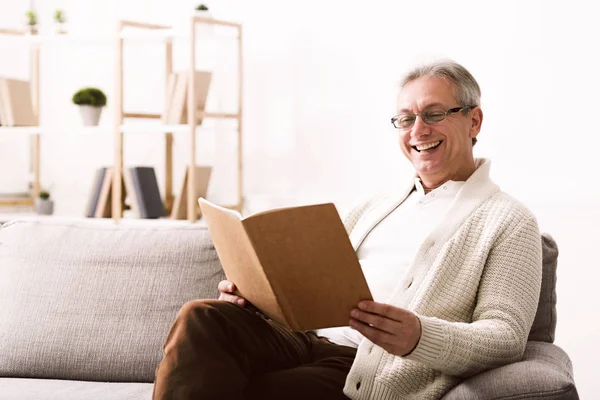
86 306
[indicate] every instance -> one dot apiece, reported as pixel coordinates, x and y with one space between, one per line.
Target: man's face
451 153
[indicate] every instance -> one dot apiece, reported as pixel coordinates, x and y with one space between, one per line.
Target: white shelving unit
132 30
33 132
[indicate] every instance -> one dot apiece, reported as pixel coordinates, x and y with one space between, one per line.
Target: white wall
320 89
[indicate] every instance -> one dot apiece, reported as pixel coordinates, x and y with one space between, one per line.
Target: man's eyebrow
436 104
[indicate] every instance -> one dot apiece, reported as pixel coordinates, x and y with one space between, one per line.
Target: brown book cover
295 264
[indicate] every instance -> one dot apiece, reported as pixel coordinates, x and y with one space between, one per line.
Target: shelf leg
192 114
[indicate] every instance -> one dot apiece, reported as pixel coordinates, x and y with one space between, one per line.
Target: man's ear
476 121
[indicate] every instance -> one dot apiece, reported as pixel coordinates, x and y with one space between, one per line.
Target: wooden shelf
193 114
150 128
132 31
17 201
20 130
33 132
201 114
128 128
126 31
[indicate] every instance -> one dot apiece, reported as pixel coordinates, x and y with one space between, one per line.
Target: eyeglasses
407 121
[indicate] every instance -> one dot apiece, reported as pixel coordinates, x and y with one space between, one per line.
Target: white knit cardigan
474 284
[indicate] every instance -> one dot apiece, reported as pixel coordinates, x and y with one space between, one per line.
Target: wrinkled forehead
426 92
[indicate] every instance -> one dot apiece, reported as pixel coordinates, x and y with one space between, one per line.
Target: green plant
202 7
59 17
44 195
31 18
90 97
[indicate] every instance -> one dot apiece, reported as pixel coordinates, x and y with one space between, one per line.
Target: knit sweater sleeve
506 305
350 219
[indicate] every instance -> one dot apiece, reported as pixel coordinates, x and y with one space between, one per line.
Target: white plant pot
90 115
204 29
44 207
61 29
203 14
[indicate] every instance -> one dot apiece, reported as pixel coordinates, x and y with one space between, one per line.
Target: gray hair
468 92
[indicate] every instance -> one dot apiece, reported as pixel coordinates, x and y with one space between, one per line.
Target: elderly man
454 265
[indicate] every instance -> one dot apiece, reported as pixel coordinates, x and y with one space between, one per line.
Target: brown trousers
218 350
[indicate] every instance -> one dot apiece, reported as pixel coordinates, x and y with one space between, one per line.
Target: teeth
427 146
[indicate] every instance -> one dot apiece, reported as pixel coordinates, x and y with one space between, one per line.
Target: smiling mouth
427 147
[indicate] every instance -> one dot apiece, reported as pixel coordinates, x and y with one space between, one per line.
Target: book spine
137 185
95 194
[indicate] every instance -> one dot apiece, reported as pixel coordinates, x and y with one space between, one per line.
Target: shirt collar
448 188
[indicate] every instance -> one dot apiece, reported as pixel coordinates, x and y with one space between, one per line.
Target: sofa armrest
544 372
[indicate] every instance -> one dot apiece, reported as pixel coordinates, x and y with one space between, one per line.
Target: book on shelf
103 207
148 201
295 264
16 103
201 178
177 95
139 188
94 198
130 193
3 115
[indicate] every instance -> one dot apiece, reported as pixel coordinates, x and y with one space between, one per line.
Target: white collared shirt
388 251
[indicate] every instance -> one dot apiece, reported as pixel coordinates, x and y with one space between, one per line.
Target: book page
307 255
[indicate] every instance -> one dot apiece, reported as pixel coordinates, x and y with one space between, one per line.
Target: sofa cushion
50 389
545 373
94 300
544 323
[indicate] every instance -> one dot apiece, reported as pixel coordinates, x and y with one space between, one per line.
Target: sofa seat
545 372
53 389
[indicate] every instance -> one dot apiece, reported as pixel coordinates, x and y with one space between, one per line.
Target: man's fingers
386 310
233 299
226 287
377 321
377 336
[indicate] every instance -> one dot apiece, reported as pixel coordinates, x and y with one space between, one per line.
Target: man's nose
420 128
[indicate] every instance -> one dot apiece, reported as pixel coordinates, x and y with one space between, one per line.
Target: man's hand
394 329
227 289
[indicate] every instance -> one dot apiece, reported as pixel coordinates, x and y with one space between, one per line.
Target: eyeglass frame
445 113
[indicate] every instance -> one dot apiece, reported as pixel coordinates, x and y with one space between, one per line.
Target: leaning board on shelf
16 103
177 91
201 178
130 192
97 186
103 207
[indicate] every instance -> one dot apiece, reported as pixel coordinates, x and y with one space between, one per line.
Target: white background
320 88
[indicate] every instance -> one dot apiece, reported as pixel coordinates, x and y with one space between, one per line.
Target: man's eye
406 120
434 116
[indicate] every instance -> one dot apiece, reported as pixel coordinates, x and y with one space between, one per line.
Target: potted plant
43 204
202 11
59 18
32 21
90 101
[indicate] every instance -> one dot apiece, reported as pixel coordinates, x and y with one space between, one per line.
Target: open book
296 264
